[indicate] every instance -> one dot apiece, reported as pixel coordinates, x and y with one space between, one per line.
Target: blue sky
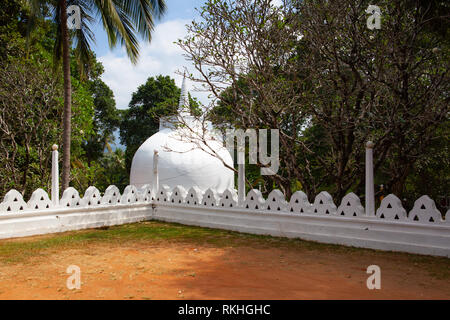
161 56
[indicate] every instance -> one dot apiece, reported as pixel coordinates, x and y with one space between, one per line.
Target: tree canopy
31 110
313 70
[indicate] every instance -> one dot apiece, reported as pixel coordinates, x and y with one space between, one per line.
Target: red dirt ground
165 270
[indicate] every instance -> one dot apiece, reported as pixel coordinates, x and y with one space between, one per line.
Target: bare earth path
226 267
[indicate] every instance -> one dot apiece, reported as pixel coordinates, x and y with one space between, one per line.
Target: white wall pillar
155 186
241 178
370 187
55 176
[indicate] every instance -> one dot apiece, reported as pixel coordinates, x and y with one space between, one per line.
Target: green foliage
351 84
31 113
109 169
106 120
31 103
11 28
123 22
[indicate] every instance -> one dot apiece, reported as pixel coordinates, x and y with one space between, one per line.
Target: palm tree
123 21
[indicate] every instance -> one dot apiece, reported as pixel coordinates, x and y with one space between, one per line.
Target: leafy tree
30 122
106 121
31 111
11 21
388 86
315 71
122 20
115 172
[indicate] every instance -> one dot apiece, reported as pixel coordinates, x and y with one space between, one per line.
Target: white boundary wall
56 220
422 230
365 232
40 216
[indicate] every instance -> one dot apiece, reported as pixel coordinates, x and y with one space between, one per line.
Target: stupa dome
180 160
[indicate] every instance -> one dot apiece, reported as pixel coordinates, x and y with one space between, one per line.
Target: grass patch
19 250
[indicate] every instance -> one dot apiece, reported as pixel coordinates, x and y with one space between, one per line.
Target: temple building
180 160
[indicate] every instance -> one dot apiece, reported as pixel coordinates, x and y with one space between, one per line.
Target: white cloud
161 56
277 3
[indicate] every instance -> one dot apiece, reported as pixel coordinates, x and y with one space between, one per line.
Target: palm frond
118 27
83 37
124 19
142 12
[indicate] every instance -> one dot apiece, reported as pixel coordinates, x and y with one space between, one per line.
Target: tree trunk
398 185
67 97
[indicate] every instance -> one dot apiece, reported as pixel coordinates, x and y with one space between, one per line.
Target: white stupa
181 161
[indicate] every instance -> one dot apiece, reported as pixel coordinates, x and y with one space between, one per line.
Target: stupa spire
183 105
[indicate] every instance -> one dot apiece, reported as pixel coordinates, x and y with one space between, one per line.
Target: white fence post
241 178
55 176
155 186
370 192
